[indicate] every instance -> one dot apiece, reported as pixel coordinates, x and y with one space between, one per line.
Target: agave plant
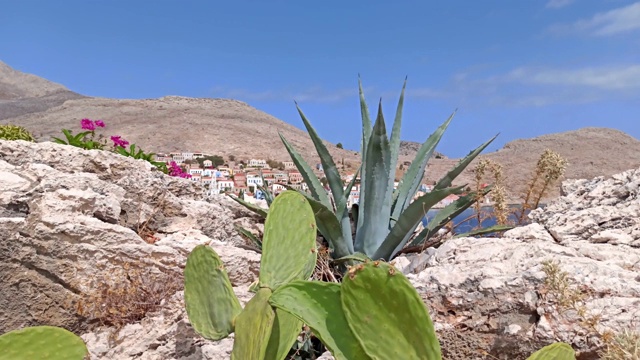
386 218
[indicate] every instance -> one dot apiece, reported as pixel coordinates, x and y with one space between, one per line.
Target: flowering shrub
87 140
176 170
119 141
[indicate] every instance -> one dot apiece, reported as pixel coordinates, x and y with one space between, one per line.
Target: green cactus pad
42 342
289 242
319 306
286 329
555 351
209 298
253 328
387 315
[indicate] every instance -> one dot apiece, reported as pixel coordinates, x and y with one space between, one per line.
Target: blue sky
521 68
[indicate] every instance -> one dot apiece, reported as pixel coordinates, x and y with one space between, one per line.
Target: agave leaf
486 230
340 211
462 164
258 210
332 230
408 220
248 234
366 135
366 120
444 215
375 202
412 178
317 190
268 195
394 142
329 166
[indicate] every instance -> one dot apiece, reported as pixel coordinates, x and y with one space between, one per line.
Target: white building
257 163
254 180
224 183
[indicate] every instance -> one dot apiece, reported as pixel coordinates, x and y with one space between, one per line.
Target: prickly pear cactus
289 241
209 298
288 253
319 305
14 132
386 314
284 333
253 328
555 351
42 342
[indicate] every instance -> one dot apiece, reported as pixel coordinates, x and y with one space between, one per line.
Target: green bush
14 132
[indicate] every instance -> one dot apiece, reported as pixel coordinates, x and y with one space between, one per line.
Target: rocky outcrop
571 276
67 214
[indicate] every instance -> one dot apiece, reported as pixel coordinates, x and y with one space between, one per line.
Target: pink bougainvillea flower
87 124
99 123
119 141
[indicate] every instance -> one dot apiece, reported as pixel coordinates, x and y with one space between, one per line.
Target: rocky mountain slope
230 127
70 224
22 93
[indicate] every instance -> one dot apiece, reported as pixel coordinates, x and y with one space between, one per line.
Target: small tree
232 158
339 145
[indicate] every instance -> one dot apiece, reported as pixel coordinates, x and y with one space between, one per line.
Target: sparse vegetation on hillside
14 132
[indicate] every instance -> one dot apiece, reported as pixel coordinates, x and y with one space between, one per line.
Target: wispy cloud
616 21
624 77
313 94
556 4
539 87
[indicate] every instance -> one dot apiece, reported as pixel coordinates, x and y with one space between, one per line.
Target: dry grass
324 271
127 295
623 346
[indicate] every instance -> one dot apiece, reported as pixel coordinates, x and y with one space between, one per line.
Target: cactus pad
318 305
209 298
555 351
289 242
253 328
42 342
284 333
387 315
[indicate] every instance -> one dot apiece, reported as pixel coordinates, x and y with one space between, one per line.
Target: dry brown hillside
230 127
590 152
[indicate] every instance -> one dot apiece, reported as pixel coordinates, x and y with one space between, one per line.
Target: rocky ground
68 215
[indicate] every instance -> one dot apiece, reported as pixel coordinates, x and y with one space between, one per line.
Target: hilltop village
244 177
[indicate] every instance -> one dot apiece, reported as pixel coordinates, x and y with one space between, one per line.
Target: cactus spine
288 254
42 342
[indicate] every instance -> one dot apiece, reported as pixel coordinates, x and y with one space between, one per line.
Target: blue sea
466 226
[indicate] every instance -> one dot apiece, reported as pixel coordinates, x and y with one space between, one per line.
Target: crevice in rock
49 275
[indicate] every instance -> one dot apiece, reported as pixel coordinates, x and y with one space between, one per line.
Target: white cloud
604 78
556 4
616 21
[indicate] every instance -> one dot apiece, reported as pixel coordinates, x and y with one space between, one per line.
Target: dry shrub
549 169
623 346
127 295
